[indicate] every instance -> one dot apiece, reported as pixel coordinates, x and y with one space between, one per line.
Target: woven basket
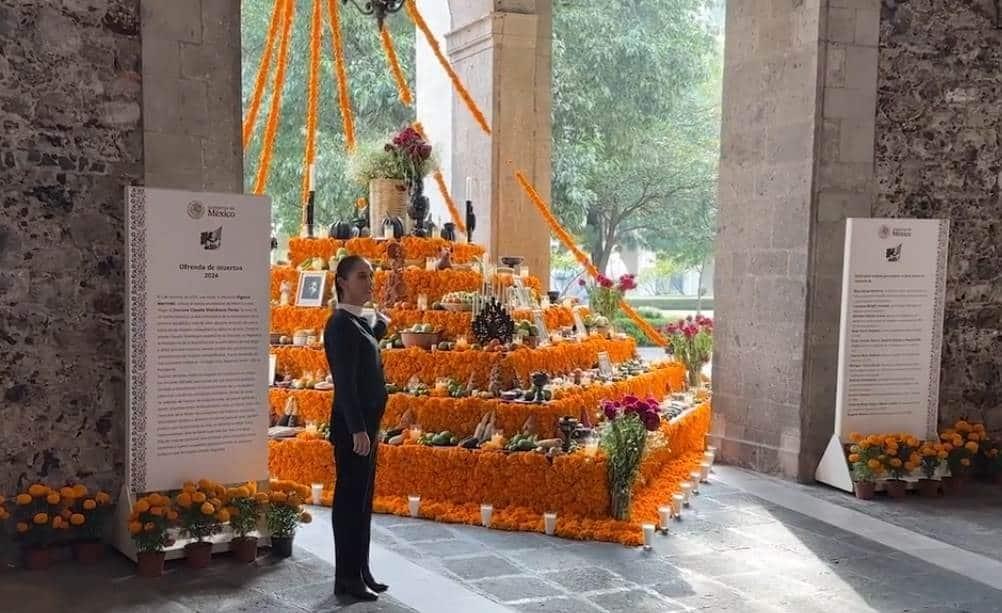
387 197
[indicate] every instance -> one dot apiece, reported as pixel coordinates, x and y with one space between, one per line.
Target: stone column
192 105
502 51
433 99
797 159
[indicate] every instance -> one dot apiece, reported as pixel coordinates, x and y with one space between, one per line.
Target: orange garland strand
568 242
313 90
340 70
419 21
403 90
261 181
442 188
262 73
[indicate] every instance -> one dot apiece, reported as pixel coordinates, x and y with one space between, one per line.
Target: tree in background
636 124
378 111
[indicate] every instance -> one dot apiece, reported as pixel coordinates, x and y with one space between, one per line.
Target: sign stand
197 347
890 336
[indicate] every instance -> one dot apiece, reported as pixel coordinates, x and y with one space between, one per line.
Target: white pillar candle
317 490
469 188
486 511
550 523
414 505
431 264
664 515
313 177
648 535
694 477
591 447
422 302
709 457
523 271
686 488
677 501
704 471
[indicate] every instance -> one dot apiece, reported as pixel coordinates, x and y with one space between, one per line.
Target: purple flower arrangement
646 410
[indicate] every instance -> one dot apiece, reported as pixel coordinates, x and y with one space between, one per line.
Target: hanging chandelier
379 8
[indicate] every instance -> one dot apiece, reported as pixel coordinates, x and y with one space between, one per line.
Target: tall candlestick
313 177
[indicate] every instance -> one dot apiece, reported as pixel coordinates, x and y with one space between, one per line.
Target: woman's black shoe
356 591
372 584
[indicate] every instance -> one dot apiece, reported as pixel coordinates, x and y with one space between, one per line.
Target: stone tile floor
302 583
733 551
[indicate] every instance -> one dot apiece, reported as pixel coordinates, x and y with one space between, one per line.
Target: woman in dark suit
352 348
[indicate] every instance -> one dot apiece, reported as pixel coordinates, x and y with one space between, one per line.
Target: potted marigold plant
961 443
149 522
899 458
623 437
245 506
865 464
932 457
993 461
201 515
39 524
691 342
88 521
284 513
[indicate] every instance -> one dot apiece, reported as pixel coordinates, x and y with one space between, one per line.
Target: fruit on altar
469 442
549 443
342 230
313 264
392 388
524 327
522 442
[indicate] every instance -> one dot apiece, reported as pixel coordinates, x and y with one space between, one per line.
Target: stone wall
192 115
938 154
70 95
770 118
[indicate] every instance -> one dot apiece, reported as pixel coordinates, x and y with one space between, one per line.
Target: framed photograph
581 332
272 365
312 284
544 333
604 364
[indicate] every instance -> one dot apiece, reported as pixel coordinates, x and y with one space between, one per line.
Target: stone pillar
192 105
502 51
797 159
433 99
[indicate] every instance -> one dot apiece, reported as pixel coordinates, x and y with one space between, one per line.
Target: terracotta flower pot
929 488
244 549
281 546
37 558
88 552
952 486
896 488
150 563
198 555
864 489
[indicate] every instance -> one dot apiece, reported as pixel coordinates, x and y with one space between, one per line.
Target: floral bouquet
285 508
406 157
624 439
605 294
151 518
89 513
202 509
692 343
864 458
932 457
245 505
961 443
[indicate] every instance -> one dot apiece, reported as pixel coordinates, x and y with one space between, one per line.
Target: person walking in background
352 347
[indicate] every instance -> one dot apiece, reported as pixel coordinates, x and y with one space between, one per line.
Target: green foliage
248 512
282 519
378 111
626 326
623 440
636 123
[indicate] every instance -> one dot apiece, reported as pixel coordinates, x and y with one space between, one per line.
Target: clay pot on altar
198 555
37 558
244 549
896 488
281 546
928 488
864 489
88 552
150 563
952 485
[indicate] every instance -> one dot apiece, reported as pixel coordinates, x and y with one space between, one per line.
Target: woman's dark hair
345 268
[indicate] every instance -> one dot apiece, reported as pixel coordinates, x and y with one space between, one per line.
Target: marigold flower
66 513
22 527
207 508
242 492
149 526
41 518
184 500
962 426
101 497
198 498
972 447
53 498
223 516
854 457
38 490
89 505
873 464
216 502
965 462
80 490
942 455
77 519
157 511
23 499
974 436
67 492
135 527
896 462
171 515
142 505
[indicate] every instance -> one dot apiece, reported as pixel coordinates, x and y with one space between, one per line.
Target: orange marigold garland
312 95
267 148
263 69
419 21
403 90
340 70
568 242
442 188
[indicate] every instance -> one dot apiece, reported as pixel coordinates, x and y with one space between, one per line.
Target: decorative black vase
471 221
567 425
449 231
418 209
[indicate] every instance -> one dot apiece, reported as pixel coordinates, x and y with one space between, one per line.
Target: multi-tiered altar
496 393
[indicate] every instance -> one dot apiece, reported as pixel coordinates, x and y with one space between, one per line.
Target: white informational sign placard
604 364
198 354
891 334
